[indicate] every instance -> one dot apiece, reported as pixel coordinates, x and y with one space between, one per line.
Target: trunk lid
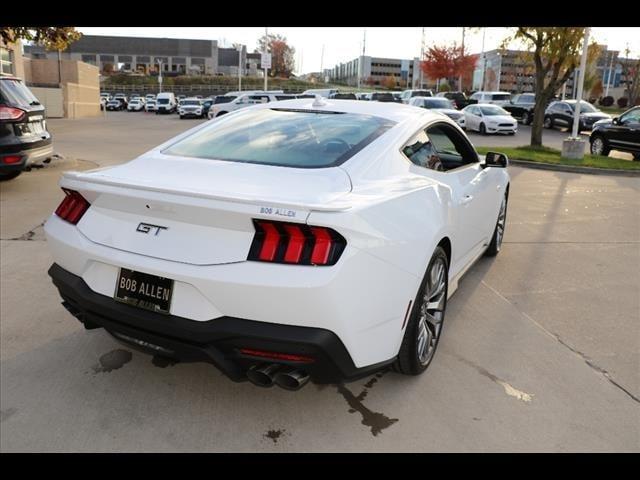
196 211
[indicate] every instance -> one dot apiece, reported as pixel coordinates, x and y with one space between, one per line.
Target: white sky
345 43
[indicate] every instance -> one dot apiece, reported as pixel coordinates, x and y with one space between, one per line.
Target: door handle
466 199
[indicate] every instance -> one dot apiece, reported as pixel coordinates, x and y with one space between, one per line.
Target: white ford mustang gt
305 239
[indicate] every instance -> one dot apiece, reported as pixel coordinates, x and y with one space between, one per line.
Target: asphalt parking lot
541 347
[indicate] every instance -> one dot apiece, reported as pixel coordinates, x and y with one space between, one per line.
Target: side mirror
494 159
615 121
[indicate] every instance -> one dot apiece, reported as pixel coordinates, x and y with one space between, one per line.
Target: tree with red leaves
282 61
447 61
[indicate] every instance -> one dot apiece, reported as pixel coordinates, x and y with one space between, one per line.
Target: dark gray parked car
24 138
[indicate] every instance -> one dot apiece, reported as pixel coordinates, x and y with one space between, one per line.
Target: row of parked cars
487 112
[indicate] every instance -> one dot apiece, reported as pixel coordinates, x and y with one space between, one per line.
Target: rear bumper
30 152
215 341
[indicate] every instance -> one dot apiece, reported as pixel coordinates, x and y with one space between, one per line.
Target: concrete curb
572 169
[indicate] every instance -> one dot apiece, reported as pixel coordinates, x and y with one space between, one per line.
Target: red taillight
277 356
295 243
270 242
72 207
11 114
11 159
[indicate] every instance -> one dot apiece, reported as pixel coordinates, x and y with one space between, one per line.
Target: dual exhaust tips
268 374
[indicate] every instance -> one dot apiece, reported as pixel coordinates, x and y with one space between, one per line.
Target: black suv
560 114
459 99
24 138
621 133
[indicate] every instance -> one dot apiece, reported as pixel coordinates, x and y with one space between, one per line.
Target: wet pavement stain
9 412
163 362
113 360
374 420
274 435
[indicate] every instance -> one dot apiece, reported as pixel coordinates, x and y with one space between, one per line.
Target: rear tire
599 146
424 327
483 129
498 233
548 122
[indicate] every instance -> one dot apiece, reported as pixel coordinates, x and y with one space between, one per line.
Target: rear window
13 92
421 93
500 96
437 102
287 138
163 101
190 102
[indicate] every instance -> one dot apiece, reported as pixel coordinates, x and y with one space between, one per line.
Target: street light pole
461 55
606 93
583 64
484 59
240 68
160 75
266 33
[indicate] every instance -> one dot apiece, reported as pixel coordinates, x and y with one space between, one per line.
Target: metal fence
203 90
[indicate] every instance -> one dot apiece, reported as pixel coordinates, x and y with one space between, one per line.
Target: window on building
6 62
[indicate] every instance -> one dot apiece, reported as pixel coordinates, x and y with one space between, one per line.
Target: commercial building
514 71
143 55
140 54
375 71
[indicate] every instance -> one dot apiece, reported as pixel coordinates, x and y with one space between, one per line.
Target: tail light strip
294 243
72 207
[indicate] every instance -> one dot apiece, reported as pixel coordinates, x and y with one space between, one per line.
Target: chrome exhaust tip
291 379
263 375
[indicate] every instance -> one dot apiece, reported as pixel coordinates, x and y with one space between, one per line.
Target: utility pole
606 93
421 59
361 61
266 33
484 58
461 54
322 64
159 75
60 69
239 68
583 64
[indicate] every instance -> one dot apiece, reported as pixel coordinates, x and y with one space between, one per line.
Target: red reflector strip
322 246
296 244
277 356
271 240
11 159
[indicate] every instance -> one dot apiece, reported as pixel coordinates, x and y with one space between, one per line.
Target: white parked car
245 100
149 96
150 106
136 105
283 242
323 92
486 118
406 95
191 107
495 98
441 105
